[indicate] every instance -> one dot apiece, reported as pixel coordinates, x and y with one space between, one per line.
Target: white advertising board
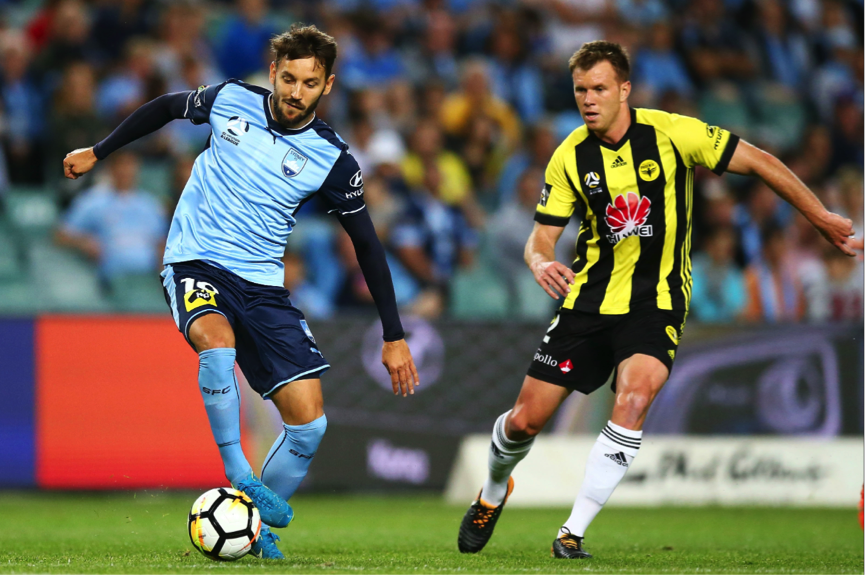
680 471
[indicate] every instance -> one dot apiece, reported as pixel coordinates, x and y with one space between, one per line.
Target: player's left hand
838 231
396 358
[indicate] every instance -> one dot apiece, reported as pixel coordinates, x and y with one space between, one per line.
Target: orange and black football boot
479 522
569 546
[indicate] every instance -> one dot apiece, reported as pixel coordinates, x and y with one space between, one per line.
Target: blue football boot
274 511
264 547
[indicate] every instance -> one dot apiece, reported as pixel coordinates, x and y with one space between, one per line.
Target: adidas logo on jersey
618 458
618 162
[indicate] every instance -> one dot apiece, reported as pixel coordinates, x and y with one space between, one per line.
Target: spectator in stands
844 287
784 50
719 287
303 294
847 149
434 58
539 144
73 124
427 148
433 239
126 89
774 291
244 37
374 62
761 210
716 47
658 68
513 77
21 100
116 224
181 30
475 98
69 40
115 23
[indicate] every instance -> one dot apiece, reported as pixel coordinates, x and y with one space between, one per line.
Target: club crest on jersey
627 216
293 163
649 170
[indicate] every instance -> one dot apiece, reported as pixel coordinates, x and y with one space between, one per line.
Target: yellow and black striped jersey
634 199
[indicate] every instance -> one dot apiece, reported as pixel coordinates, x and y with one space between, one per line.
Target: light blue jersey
238 207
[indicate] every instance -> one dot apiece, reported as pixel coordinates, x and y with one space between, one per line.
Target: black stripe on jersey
591 159
548 220
674 280
644 287
732 144
580 206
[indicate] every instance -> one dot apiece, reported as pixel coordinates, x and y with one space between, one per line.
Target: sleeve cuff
394 337
97 151
722 164
548 220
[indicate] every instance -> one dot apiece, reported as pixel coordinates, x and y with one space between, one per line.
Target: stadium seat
11 267
155 178
723 106
782 117
478 294
534 303
140 293
66 282
32 212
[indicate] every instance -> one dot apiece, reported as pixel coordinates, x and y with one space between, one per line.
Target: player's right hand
78 162
555 278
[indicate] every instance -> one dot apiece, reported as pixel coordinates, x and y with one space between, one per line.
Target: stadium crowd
452 108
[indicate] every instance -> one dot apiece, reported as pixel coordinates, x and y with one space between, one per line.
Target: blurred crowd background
452 108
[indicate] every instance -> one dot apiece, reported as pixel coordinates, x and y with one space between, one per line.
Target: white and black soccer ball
223 523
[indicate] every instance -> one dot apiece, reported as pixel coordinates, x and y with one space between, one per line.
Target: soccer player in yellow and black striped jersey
629 176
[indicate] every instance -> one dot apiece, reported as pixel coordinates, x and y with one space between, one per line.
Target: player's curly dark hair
591 53
302 42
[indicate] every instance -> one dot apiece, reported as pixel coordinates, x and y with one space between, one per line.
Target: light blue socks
218 387
288 460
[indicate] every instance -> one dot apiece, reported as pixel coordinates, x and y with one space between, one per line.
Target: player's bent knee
520 427
211 331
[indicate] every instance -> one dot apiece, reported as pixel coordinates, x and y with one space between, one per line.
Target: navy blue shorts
274 344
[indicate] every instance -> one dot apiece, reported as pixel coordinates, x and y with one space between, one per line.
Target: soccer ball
223 523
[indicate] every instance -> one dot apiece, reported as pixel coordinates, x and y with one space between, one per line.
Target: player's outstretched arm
540 256
749 160
145 120
395 354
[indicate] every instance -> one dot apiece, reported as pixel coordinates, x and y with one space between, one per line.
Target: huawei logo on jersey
627 216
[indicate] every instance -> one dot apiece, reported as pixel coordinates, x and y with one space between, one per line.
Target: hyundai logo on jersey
357 180
293 163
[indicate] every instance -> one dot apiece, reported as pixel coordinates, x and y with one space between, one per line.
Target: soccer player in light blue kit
267 154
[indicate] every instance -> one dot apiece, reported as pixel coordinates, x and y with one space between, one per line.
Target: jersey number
190 284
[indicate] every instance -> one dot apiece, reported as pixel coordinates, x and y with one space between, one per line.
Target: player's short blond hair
592 53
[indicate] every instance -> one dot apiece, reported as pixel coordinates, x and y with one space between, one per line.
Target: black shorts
581 350
274 344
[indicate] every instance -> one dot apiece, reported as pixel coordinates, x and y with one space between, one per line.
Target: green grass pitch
144 532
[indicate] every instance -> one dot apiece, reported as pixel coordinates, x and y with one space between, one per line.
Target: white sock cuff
501 441
617 437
